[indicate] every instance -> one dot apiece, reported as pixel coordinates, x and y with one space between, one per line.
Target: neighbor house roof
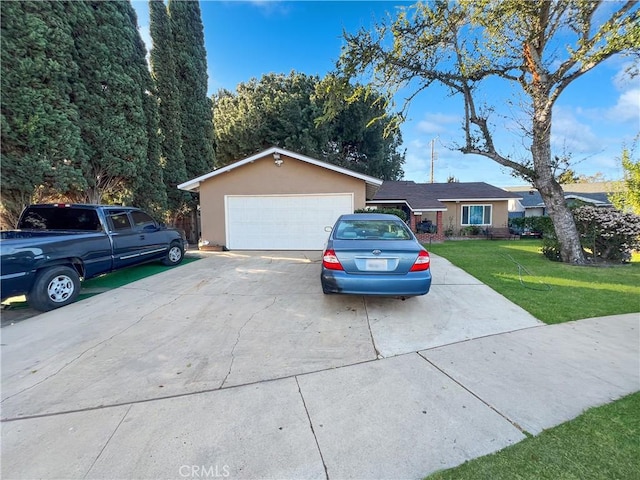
372 182
579 188
430 196
533 199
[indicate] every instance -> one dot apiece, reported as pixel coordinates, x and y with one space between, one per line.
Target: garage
282 222
276 200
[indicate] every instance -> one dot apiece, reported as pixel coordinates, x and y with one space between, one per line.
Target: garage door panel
282 222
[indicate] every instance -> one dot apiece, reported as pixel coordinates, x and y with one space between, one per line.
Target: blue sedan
374 254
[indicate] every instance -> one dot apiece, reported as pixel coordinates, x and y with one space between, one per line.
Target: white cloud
452 163
594 147
626 108
438 123
623 80
272 7
568 133
626 95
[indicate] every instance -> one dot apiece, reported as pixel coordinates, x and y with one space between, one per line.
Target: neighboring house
447 207
277 200
531 205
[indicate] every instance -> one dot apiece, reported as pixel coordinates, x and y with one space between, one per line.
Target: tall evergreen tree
163 69
148 187
357 142
40 135
79 120
276 110
289 111
191 75
149 191
111 99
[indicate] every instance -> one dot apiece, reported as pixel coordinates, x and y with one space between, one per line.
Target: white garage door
282 222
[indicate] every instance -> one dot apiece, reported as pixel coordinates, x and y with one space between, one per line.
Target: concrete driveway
237 365
230 319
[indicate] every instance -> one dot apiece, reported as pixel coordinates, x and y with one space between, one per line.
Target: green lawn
551 291
603 443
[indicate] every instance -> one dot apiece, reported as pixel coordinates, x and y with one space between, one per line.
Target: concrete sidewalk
398 417
237 366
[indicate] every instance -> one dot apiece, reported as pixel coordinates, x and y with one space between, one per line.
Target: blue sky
593 119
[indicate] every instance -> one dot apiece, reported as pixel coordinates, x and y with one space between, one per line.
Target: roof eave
194 184
190 186
480 199
405 202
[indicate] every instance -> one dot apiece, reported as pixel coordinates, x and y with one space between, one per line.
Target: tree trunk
93 195
550 190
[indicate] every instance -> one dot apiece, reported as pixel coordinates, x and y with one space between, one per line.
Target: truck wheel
174 255
54 287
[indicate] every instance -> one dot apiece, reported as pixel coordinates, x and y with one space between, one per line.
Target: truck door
152 239
127 247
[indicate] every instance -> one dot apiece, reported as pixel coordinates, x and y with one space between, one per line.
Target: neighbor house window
476 215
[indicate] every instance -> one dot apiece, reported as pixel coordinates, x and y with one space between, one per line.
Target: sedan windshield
372 229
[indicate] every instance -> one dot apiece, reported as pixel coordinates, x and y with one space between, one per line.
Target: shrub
470 230
449 230
391 211
551 247
610 235
533 224
607 235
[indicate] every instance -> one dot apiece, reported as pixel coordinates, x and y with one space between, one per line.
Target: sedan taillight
330 261
422 262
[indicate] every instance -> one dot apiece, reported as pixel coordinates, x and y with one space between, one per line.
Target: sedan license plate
376 264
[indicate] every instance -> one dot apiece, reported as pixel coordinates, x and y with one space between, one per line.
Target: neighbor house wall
414 218
534 212
452 218
263 177
436 220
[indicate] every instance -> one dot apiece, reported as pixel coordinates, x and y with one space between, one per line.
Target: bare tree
539 47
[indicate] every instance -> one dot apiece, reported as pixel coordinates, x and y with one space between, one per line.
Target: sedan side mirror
328 229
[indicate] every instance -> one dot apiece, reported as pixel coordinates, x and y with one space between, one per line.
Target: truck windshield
60 218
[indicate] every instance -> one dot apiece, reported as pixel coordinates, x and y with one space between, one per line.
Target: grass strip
602 443
128 275
553 292
109 281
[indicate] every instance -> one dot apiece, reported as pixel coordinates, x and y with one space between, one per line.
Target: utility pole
433 155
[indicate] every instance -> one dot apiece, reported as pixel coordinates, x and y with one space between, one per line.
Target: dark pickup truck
56 245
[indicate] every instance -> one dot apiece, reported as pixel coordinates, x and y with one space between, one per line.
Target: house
531 205
276 200
447 207
282 200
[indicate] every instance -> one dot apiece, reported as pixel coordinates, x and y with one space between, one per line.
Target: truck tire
54 287
174 255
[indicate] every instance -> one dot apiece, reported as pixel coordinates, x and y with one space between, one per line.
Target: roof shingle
429 196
